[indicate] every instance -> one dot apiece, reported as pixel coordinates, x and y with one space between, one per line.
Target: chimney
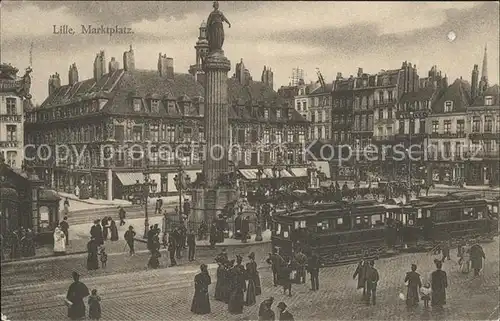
113 65
73 74
475 81
360 72
99 66
162 65
54 83
170 67
128 60
339 76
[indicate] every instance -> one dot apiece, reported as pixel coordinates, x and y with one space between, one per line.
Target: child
426 294
104 257
94 306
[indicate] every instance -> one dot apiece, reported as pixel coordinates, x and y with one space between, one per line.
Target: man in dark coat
186 207
121 215
129 238
76 293
105 228
172 247
361 274
176 234
213 235
445 249
245 229
96 232
191 241
284 314
65 228
301 262
92 254
372 278
414 285
276 262
265 310
439 283
313 266
476 256
151 234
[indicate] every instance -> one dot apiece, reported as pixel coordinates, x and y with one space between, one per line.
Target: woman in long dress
114 231
252 275
76 293
414 285
465 260
92 257
238 287
59 242
221 282
201 301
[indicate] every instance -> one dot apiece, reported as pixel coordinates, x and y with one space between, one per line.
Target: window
401 126
11 106
447 149
155 133
137 104
389 113
11 133
316 101
381 97
278 114
318 116
266 113
488 100
298 106
313 117
290 136
460 126
380 131
389 131
11 158
304 105
324 116
380 114
267 137
421 127
476 124
390 97
171 133
488 124
447 126
187 134
435 126
201 133
302 137
448 106
137 133
155 106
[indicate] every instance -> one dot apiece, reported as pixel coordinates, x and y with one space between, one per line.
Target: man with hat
129 238
372 278
284 314
191 242
253 288
266 311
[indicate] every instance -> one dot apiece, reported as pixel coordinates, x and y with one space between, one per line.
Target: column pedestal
209 203
109 178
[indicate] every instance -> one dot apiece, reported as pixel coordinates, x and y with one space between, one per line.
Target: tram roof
337 209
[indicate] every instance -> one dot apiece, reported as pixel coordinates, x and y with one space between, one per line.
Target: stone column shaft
216 117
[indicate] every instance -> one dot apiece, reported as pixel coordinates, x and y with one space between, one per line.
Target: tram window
278 229
419 213
377 220
303 224
340 221
480 215
296 225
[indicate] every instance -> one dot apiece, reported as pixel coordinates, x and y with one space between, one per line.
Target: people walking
414 284
266 311
104 257
74 298
426 294
114 231
94 302
439 283
372 278
121 215
477 256
129 238
238 287
171 251
276 262
201 301
464 260
222 282
105 228
154 262
253 287
284 314
313 266
191 242
360 273
66 207
445 250
65 228
301 262
92 254
59 242
96 233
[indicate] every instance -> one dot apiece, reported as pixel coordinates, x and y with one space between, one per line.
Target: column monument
216 191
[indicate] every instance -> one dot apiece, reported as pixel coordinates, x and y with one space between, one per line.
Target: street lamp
179 184
147 187
258 195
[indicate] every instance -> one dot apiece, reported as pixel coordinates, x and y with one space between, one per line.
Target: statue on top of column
215 28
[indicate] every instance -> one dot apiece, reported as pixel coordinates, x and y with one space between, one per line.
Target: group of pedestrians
74 300
368 278
99 233
21 243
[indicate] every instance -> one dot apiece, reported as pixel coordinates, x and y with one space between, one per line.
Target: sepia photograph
249 160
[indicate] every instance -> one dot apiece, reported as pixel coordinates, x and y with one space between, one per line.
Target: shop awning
324 167
285 173
249 173
299 171
268 172
128 179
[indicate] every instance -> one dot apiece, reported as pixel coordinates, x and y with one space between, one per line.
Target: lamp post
146 188
258 194
179 184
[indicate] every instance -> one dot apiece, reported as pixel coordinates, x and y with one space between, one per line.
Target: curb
80 253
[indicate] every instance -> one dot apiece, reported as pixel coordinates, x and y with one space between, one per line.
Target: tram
342 232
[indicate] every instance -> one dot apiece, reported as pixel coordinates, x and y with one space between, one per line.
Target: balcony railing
11 118
448 135
481 136
488 154
418 114
9 144
384 138
380 103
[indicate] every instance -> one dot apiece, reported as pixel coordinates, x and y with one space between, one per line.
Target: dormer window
155 105
137 104
448 106
278 114
266 113
488 100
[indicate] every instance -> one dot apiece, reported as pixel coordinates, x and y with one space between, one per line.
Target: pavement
166 294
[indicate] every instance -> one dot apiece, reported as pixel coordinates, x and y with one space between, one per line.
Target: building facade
112 128
14 99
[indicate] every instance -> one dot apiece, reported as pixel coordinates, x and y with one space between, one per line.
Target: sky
332 36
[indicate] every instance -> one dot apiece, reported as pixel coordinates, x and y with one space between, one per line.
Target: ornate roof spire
484 71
